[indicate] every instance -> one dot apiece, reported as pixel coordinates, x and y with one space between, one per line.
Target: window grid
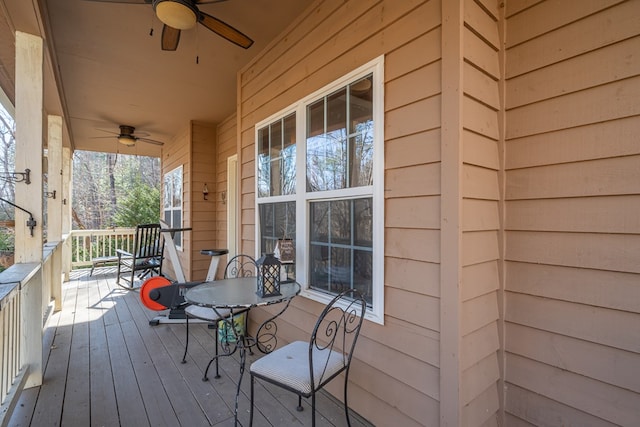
362 142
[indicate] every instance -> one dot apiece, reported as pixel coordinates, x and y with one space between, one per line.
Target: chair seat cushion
205 313
289 366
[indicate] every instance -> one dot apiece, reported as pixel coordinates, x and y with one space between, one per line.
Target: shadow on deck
105 366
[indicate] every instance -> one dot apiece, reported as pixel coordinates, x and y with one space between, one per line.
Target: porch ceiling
112 71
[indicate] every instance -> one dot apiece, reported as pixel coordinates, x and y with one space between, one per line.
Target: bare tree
107 179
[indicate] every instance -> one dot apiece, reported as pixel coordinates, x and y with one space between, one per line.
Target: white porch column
54 204
65 199
29 148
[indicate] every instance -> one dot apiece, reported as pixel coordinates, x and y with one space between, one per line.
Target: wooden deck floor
105 366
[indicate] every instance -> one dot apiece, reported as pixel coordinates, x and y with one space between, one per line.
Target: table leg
243 360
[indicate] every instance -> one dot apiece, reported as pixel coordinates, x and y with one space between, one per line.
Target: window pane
319 221
361 155
177 223
341 245
326 162
341 222
274 157
319 267
263 162
361 130
177 189
360 103
289 155
337 112
277 221
168 191
363 220
363 273
340 271
340 143
276 161
315 119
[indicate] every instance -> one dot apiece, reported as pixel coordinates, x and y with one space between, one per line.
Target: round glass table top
236 293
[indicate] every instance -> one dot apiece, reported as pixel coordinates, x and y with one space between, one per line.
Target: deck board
106 366
104 408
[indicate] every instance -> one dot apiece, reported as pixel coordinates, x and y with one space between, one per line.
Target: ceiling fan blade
224 30
170 38
122 1
150 141
107 131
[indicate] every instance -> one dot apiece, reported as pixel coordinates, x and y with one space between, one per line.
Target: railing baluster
3 353
90 244
9 341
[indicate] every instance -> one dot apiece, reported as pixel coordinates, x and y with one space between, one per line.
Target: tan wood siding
176 153
329 40
480 220
226 147
572 197
203 214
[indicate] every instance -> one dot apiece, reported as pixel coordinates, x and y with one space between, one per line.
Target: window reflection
340 138
341 245
276 160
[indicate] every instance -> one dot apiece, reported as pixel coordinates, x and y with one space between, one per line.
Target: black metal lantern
268 276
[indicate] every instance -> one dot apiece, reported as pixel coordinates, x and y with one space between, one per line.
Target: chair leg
215 339
206 371
186 343
313 409
346 404
246 320
299 408
251 410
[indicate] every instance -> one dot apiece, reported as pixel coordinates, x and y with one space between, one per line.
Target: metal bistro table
237 294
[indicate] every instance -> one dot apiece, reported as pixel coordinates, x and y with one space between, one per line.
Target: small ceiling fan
178 15
126 136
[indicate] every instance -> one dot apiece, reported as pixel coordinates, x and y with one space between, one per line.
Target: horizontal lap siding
572 226
226 147
396 376
203 215
480 396
178 153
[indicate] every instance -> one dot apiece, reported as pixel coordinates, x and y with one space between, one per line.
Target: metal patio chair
306 367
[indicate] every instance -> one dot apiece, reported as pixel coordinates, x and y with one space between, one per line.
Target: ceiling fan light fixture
127 140
178 14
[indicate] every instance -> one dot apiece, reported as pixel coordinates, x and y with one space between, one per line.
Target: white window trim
179 247
302 198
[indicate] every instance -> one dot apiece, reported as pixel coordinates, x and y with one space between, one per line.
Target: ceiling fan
178 15
126 136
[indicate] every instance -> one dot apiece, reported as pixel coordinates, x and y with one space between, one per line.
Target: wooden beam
451 213
29 149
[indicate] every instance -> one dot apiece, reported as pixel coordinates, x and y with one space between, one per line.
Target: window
172 203
319 181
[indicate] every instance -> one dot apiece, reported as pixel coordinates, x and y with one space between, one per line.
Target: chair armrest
121 253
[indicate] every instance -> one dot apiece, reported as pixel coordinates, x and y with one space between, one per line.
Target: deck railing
10 339
90 244
28 294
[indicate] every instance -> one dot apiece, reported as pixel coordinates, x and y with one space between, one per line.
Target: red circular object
149 285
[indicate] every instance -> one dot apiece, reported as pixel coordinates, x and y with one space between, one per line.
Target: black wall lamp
205 191
17 176
31 222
